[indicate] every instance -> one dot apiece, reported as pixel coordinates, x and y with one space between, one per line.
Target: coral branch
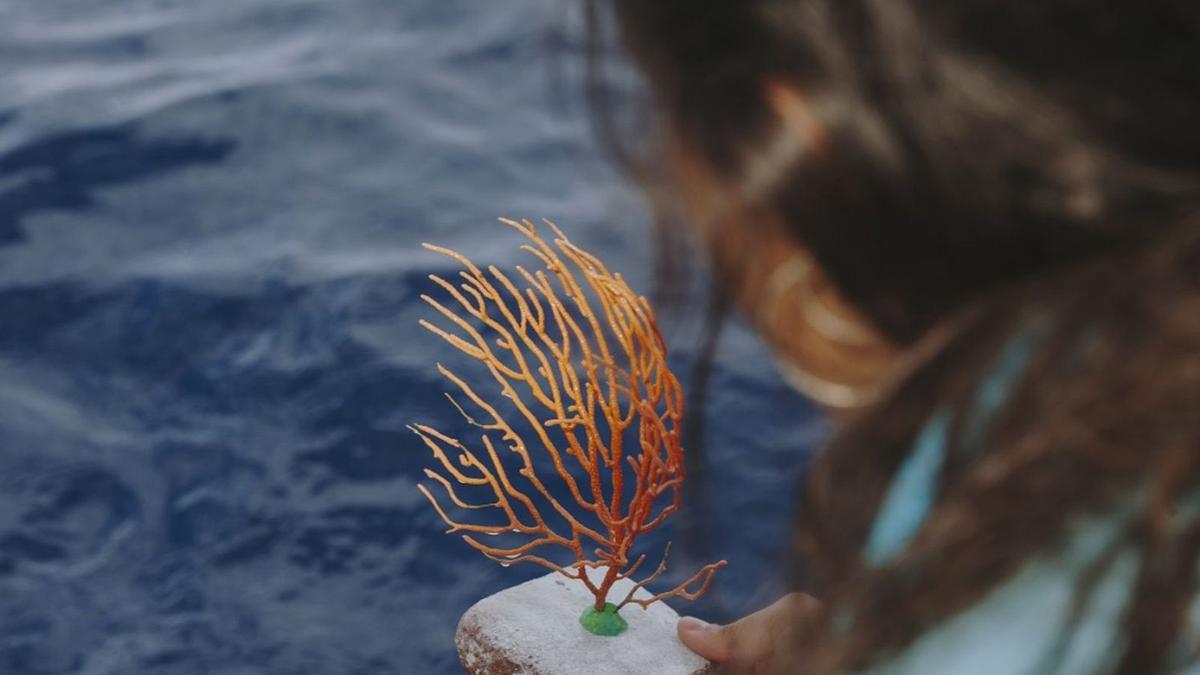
592 387
705 573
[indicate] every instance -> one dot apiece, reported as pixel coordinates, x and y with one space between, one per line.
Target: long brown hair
987 170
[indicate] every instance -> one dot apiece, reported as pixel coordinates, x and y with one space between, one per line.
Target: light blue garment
1029 624
913 490
911 494
1022 626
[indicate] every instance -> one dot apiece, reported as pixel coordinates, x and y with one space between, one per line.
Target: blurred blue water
209 217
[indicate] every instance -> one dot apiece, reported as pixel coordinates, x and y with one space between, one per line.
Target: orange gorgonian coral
577 380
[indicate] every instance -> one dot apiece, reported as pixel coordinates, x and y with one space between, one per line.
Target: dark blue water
209 218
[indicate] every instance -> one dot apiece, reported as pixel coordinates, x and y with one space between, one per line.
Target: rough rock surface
533 629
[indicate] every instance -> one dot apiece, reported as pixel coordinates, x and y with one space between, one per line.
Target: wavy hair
984 167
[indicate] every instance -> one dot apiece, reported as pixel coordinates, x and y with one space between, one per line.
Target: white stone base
533 629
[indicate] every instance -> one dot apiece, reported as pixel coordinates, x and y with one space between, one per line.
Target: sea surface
210 217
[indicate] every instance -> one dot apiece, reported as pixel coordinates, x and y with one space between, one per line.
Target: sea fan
584 387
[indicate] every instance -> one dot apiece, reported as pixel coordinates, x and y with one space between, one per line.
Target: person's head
926 153
982 166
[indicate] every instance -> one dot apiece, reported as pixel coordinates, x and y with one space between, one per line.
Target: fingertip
701 637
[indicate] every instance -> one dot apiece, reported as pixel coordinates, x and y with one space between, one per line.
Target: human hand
753 644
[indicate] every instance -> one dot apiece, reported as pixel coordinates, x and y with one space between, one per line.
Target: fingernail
693 625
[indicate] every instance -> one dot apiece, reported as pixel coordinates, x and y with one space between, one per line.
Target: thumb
752 640
708 640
